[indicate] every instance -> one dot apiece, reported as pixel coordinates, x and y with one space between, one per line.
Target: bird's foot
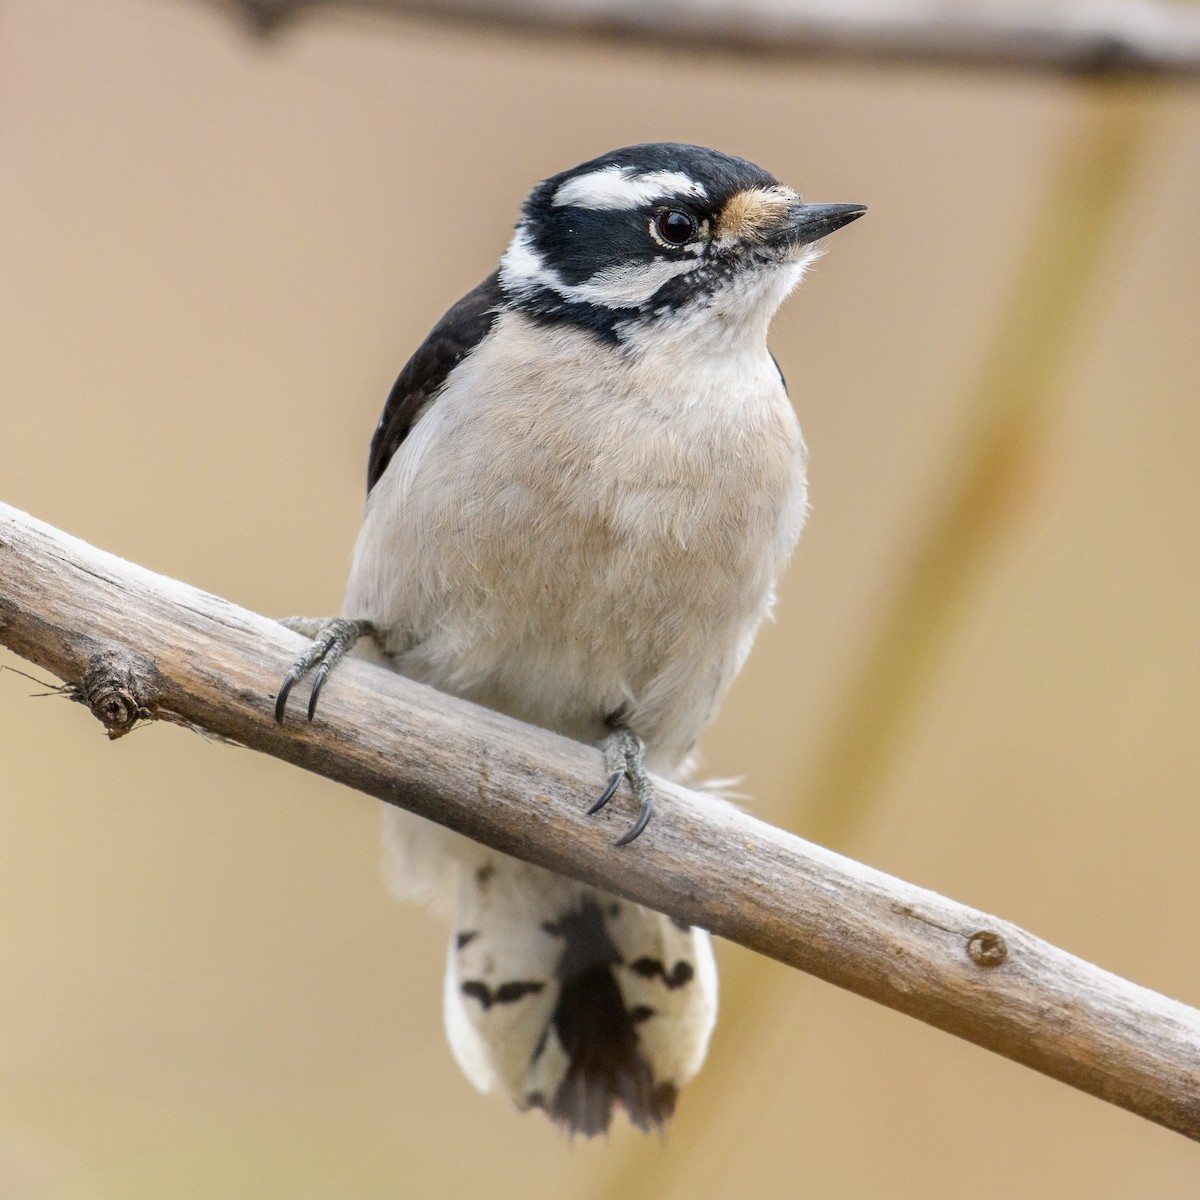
624 758
333 638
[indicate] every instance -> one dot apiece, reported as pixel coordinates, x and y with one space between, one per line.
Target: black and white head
664 241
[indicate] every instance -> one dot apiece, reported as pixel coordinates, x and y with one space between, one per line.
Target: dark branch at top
1083 38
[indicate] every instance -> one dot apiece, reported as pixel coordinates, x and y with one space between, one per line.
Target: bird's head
664 242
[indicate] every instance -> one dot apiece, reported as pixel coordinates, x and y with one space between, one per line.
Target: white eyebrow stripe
620 187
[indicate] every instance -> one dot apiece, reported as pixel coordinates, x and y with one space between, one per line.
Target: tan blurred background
216 253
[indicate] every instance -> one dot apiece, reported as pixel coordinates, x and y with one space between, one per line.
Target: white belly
549 547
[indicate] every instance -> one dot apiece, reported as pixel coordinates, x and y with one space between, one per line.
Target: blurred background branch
1079 37
1006 411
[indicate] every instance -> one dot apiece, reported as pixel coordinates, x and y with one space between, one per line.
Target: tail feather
573 1001
598 1032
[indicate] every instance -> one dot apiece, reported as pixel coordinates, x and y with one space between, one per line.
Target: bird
581 492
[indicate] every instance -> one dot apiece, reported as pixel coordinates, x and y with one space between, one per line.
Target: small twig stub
113 686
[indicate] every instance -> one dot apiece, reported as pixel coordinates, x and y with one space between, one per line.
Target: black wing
449 342
782 378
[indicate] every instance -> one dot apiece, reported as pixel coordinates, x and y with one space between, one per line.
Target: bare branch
135 646
1077 37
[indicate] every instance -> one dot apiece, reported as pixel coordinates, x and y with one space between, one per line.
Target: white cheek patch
726 322
630 286
522 267
621 187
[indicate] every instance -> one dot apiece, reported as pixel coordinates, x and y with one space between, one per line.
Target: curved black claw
639 826
318 683
285 690
333 638
624 756
609 792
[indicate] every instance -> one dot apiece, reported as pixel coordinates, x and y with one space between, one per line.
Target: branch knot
113 689
987 949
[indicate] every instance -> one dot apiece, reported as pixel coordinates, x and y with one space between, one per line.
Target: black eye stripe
578 243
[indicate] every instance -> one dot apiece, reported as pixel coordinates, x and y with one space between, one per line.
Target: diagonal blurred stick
987 491
992 476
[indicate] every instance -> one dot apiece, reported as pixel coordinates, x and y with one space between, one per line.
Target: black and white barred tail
573 1001
565 998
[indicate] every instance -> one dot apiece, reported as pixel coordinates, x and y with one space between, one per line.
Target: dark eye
674 228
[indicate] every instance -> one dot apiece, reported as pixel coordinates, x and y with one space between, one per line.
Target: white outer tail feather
563 997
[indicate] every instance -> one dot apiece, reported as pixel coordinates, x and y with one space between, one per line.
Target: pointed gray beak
809 222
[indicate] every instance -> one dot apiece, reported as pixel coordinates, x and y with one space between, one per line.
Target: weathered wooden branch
1077 37
137 646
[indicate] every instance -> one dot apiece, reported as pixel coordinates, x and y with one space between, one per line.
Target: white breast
566 532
